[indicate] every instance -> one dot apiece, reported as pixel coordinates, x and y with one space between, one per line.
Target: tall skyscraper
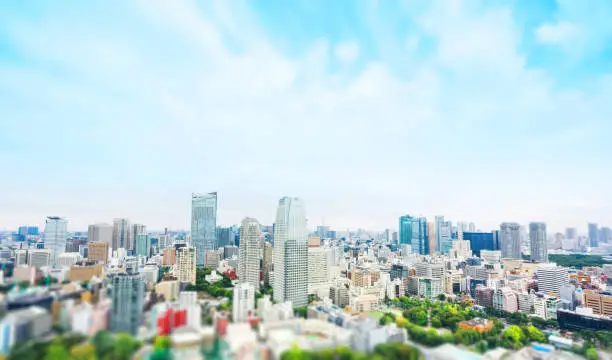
225 237
100 233
203 224
472 227
122 234
137 229
537 239
445 236
480 241
251 240
143 245
431 237
414 232
291 253
593 235
438 220
56 232
571 233
267 263
510 240
605 234
127 294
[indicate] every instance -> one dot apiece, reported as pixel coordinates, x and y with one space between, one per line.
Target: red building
170 320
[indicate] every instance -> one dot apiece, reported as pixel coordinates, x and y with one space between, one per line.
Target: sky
481 111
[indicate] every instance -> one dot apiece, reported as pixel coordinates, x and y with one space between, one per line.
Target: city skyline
339 99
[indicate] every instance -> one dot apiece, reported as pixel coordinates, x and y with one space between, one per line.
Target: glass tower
413 231
290 253
56 232
203 224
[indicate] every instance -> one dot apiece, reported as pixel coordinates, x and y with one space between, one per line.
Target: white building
56 232
269 312
21 257
243 305
491 256
291 253
551 278
189 301
67 259
39 257
317 270
185 267
150 274
251 241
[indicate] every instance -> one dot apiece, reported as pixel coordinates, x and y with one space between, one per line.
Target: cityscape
310 179
431 288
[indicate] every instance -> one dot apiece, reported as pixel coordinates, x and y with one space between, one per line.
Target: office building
66 260
127 294
203 225
122 234
39 258
480 241
414 232
593 235
100 233
98 251
186 265
431 237
571 233
143 245
537 240
605 235
243 305
231 251
317 268
251 240
211 260
291 253
267 263
56 232
599 301
551 279
510 240
139 230
226 237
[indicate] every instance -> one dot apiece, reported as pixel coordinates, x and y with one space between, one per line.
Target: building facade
127 294
510 240
537 242
56 233
291 253
122 234
203 224
251 240
186 264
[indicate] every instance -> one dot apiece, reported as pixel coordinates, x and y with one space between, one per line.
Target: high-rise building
211 260
438 220
291 253
56 232
471 228
186 264
510 240
243 304
479 241
137 229
317 268
605 235
100 233
203 224
225 237
414 232
593 235
267 263
98 251
250 247
122 234
551 278
143 245
537 240
571 233
445 236
431 237
127 294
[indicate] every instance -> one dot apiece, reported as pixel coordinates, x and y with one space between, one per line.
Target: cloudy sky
483 111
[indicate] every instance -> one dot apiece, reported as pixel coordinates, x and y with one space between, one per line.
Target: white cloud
559 33
347 52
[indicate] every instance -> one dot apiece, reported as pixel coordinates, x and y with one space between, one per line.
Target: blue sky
483 111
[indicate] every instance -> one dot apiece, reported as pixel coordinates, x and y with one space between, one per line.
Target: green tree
481 347
125 346
441 297
591 354
83 352
103 343
514 337
56 350
533 334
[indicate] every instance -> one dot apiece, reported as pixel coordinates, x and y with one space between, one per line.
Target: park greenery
577 260
389 351
102 346
220 289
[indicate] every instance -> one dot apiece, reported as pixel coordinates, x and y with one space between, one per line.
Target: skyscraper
137 229
537 239
203 224
445 236
414 232
593 235
510 240
250 248
291 253
100 233
122 234
56 232
480 241
438 220
571 233
127 294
